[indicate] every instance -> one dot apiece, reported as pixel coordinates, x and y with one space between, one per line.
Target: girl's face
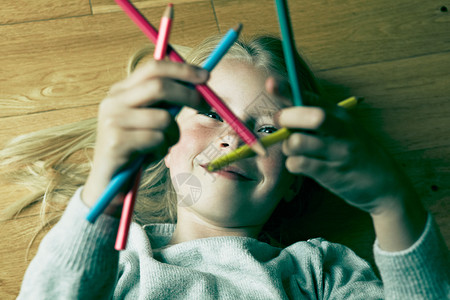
226 198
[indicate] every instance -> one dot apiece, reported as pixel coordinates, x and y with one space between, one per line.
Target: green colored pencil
287 39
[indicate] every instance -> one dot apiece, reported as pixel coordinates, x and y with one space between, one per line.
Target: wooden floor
59 58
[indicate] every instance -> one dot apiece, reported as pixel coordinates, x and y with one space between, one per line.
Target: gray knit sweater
77 260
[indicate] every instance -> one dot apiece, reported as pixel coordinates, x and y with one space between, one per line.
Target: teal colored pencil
287 39
221 49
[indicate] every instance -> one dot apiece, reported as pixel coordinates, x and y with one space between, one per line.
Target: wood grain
20 11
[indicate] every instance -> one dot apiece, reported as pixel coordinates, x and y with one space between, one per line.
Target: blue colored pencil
288 49
221 49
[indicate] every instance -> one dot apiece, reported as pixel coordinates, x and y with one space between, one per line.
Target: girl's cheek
193 140
196 134
189 142
275 161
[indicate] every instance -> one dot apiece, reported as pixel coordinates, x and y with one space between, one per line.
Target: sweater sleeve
419 272
76 259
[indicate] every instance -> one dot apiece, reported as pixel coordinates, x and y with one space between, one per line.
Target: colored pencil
287 39
210 97
351 102
278 136
130 198
221 49
113 188
161 49
163 33
127 214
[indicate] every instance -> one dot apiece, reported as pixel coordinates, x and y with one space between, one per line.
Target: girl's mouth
230 172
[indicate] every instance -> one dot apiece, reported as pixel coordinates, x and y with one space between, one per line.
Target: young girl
212 248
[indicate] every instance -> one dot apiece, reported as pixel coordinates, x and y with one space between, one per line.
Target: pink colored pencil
127 214
164 33
210 97
130 198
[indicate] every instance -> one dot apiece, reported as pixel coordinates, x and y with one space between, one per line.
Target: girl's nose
230 140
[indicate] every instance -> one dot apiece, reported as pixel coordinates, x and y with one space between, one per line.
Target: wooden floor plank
405 108
73 62
429 170
333 34
25 11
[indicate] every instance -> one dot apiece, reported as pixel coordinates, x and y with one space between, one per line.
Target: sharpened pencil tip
238 28
168 13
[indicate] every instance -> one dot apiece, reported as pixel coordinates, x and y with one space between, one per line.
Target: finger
302 117
303 144
152 120
316 169
316 146
163 68
144 141
305 165
314 119
162 89
144 118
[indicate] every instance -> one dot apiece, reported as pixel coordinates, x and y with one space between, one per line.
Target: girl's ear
293 189
167 158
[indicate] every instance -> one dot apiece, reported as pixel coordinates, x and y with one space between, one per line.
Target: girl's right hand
129 124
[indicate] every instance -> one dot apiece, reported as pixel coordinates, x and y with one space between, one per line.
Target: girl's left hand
331 148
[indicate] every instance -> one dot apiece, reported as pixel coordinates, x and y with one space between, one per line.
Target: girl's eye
267 129
212 115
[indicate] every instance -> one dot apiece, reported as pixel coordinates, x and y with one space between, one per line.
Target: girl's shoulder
325 251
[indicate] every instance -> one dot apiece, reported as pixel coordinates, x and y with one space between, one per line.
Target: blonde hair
54 162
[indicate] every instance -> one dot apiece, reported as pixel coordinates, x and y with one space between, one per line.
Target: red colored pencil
127 214
210 97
